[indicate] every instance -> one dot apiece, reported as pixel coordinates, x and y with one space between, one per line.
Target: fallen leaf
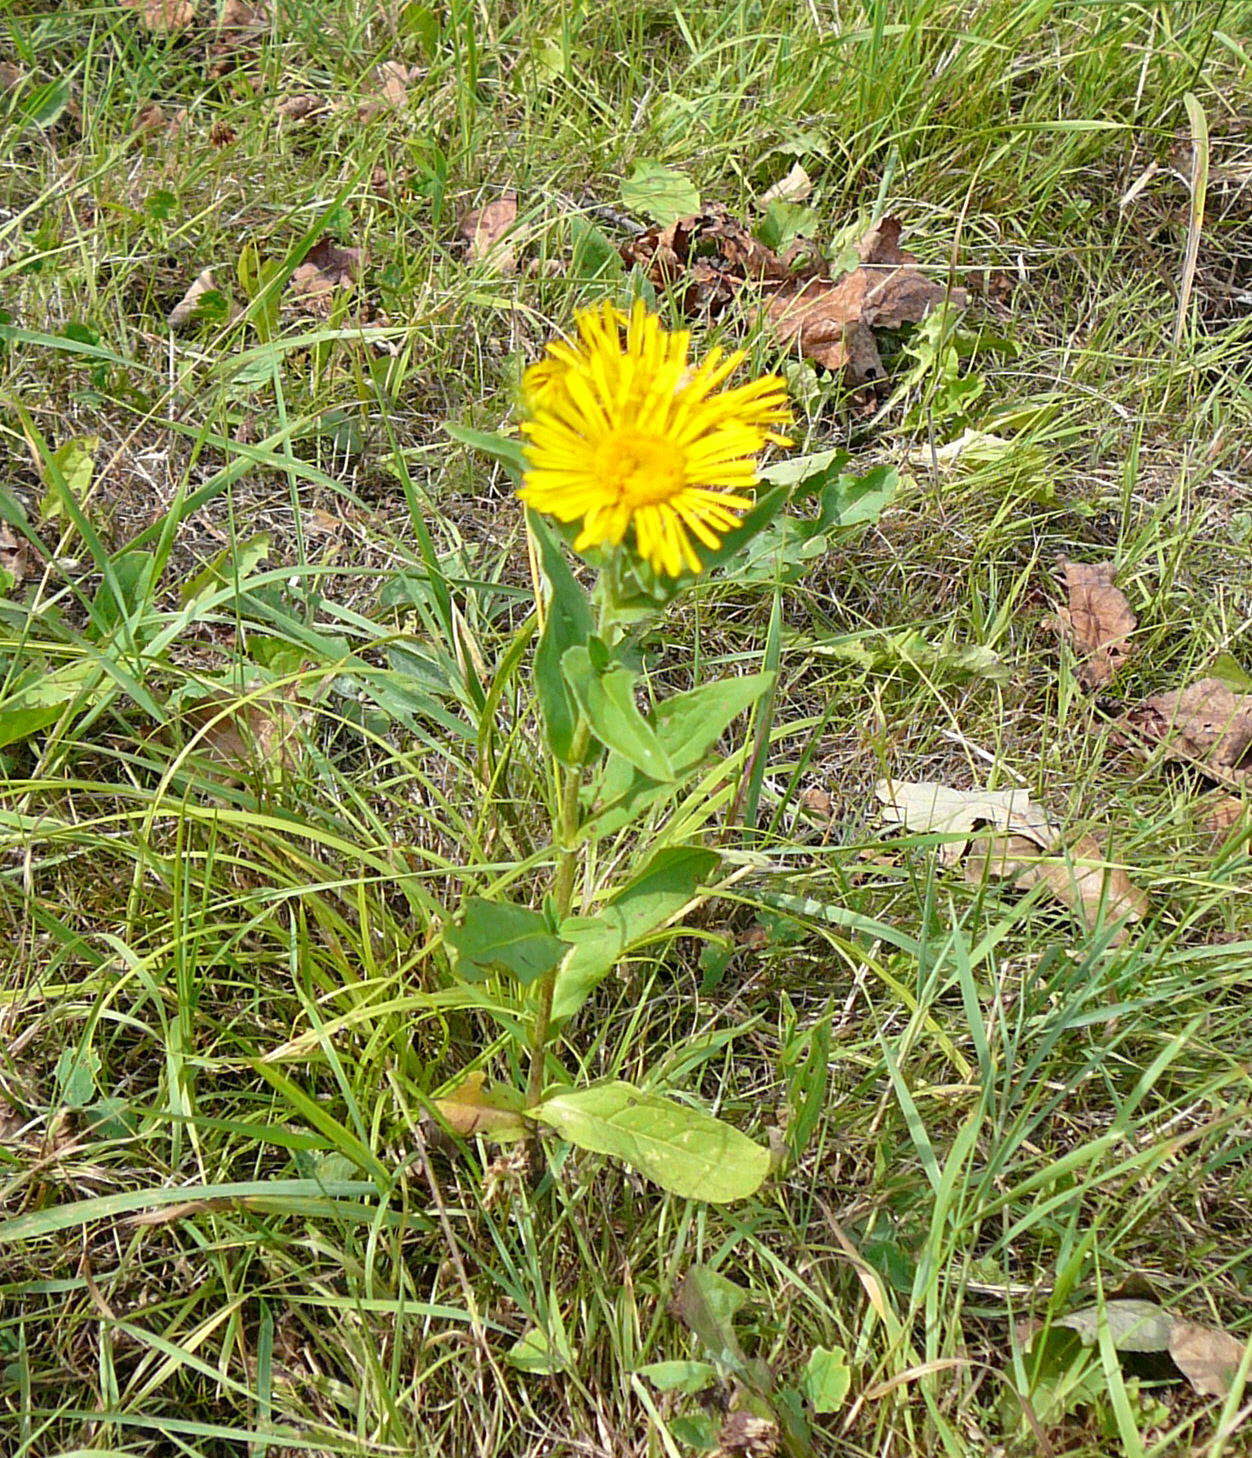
744 1435
185 310
163 15
258 732
13 554
923 805
222 134
831 321
1080 878
1208 724
154 118
1135 1326
1206 1356
970 448
11 76
485 227
660 193
1221 814
471 1109
795 188
1025 846
326 267
388 89
240 26
1098 621
300 108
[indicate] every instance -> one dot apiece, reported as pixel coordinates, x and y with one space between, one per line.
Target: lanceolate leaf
608 699
500 934
568 624
682 1149
659 892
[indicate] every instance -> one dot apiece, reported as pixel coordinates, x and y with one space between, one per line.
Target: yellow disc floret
624 435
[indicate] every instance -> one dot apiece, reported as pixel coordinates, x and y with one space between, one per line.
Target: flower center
640 470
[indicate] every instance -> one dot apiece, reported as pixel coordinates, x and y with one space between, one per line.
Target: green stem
564 879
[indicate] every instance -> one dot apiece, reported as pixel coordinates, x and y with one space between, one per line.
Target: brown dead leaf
1206 1356
163 15
13 554
327 267
1079 877
926 806
1208 723
11 76
300 108
1025 846
1221 814
832 321
471 1109
184 311
744 1435
153 117
256 733
388 89
241 25
486 227
222 134
1098 621
794 188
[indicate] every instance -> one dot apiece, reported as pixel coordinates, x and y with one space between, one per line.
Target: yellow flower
625 435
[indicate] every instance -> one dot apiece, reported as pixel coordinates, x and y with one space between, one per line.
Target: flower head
625 435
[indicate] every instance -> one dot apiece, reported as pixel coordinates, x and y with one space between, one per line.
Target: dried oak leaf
1098 622
1079 876
832 321
258 733
1221 814
1208 723
163 15
327 267
1016 841
485 229
1206 1356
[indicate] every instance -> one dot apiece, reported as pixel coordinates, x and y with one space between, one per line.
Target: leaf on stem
499 934
682 1149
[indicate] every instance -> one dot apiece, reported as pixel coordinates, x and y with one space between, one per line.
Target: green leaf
75 460
691 723
660 193
536 1352
40 106
500 934
782 222
708 1303
826 1379
569 624
39 699
508 450
607 697
686 1377
76 1072
230 567
594 255
658 893
682 1149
